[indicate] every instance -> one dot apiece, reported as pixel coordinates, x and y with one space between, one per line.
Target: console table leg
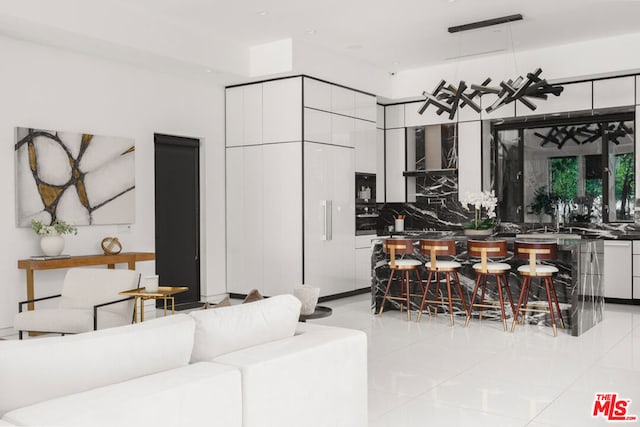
30 294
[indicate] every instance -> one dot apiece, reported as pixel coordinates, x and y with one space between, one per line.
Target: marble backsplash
437 208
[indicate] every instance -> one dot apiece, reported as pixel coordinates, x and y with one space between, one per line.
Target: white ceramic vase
52 245
308 296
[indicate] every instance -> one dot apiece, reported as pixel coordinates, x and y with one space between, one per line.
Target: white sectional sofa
247 365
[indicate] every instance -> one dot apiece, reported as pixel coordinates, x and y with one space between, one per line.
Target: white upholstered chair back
86 287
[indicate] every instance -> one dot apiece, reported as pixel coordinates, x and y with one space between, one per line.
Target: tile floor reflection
432 374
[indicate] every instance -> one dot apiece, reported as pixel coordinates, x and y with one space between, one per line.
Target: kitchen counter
578 284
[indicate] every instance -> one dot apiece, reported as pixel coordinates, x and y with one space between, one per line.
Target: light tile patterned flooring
433 374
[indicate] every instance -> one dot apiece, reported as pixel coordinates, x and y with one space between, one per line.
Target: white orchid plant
484 200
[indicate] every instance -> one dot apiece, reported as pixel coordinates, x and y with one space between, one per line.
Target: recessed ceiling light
311 31
263 13
209 70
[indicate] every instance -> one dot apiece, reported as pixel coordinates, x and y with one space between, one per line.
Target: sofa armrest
315 378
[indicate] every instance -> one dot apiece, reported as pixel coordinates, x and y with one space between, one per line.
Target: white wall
48 88
324 64
603 56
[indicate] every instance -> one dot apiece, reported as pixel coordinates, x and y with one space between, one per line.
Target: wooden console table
30 265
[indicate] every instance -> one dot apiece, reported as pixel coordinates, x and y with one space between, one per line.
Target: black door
177 211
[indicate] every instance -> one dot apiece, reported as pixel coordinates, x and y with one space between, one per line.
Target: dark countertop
585 234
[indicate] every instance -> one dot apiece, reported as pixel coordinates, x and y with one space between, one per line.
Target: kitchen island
578 284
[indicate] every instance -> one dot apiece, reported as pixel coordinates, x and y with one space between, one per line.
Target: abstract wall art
76 177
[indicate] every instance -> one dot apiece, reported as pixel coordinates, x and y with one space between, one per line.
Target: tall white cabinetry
264 187
292 146
329 217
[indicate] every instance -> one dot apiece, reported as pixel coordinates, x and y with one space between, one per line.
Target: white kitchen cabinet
395 155
317 94
618 92
394 116
366 107
267 232
317 126
379 116
637 91
244 115
365 145
281 110
329 218
469 158
363 261
380 161
343 130
617 269
343 101
264 203
635 293
245 204
281 217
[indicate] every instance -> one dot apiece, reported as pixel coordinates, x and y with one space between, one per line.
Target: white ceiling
403 34
391 35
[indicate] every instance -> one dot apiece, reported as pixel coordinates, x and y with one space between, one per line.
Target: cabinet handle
327 220
329 217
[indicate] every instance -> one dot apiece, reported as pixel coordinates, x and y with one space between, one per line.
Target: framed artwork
79 178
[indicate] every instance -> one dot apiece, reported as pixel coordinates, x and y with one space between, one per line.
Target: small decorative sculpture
111 246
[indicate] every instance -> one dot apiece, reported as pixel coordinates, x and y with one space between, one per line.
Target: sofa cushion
240 326
39 369
316 378
193 395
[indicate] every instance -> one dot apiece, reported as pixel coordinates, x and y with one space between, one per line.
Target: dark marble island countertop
579 282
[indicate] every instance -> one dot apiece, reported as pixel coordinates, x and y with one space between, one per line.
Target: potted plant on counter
51 240
484 205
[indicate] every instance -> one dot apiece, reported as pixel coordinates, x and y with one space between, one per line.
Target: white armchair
89 301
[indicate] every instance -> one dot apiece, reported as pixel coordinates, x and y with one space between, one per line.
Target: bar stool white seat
493 266
539 268
407 263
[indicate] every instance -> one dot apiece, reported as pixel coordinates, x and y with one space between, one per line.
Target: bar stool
404 266
484 269
435 267
534 252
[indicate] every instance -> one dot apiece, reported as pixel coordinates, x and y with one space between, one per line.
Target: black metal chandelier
449 98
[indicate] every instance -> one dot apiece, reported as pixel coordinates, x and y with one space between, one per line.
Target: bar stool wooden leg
386 293
551 311
516 314
457 279
473 298
437 285
555 296
506 285
408 296
424 298
504 319
448 277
